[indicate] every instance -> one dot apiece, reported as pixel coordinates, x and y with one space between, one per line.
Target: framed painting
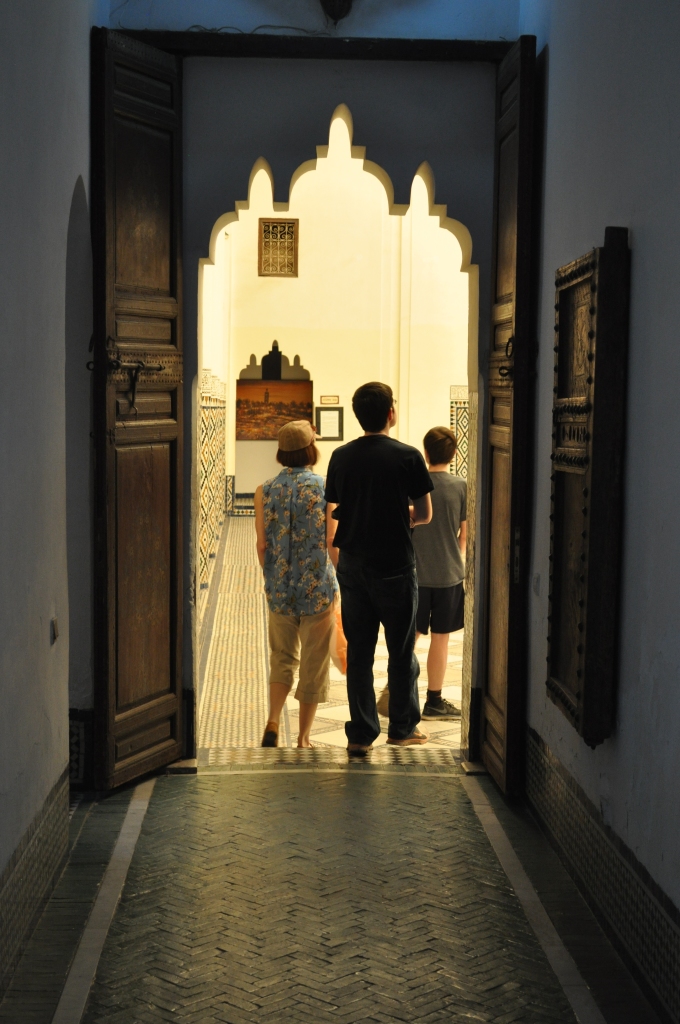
263 406
329 425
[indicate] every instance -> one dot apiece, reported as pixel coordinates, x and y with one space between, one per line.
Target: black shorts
440 609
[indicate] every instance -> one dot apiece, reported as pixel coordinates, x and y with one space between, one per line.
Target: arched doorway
372 290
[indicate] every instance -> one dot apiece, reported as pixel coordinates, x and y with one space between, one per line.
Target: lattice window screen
460 423
278 248
212 472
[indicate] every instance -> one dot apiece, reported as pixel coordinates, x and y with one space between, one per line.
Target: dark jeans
370 597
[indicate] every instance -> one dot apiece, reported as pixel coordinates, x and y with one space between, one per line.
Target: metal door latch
133 370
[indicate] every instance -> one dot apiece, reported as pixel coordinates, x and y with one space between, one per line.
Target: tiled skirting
243 505
640 916
81 745
30 875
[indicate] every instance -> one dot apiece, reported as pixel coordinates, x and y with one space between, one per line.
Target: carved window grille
278 248
212 476
460 425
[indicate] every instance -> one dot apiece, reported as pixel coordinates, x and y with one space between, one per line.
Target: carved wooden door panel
136 194
589 420
510 405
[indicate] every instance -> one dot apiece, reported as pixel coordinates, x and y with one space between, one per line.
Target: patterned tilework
460 424
243 505
241 551
211 476
234 699
80 733
644 920
28 878
430 760
36 986
233 705
241 579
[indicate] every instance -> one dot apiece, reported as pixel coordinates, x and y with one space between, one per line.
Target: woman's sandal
271 735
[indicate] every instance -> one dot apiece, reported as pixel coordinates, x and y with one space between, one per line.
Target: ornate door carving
136 195
510 419
589 398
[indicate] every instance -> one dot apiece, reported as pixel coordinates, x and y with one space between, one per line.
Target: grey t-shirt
439 562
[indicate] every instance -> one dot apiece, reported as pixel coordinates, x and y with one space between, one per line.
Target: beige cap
295 435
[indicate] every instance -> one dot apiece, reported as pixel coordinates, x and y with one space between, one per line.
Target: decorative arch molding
342 116
340 137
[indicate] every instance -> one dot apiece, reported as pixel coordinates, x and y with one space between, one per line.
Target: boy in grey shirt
440 550
440 565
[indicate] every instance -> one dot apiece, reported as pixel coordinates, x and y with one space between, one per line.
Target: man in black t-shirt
377 490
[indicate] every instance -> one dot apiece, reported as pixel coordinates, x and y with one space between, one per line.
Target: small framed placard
329 400
329 424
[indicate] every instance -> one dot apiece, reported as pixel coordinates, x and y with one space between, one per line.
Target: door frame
213 44
146 732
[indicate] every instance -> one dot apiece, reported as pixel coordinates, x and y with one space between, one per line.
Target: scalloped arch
456 227
343 116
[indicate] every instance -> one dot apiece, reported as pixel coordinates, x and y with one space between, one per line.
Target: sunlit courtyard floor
233 699
331 717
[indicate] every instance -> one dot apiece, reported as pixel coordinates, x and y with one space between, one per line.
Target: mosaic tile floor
233 702
233 706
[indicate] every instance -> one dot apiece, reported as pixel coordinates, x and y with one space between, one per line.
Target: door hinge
516 557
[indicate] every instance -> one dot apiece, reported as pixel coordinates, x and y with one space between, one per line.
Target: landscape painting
262 406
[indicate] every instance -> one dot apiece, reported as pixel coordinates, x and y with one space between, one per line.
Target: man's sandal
417 738
359 749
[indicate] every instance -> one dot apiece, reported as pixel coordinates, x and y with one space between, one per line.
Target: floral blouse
299 578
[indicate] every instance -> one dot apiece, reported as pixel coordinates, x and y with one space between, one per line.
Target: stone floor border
577 992
84 967
333 769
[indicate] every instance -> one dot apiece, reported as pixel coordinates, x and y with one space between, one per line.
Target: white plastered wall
613 158
45 313
383 293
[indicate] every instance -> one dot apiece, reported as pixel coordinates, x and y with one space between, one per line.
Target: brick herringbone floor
319 897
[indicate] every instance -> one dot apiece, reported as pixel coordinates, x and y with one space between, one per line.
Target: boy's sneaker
442 710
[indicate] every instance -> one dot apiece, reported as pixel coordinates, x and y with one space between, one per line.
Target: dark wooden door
136 202
510 419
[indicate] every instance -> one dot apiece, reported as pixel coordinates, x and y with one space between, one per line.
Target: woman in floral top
299 579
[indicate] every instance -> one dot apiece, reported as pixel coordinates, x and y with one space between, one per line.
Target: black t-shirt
371 480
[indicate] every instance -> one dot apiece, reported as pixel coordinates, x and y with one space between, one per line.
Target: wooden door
510 420
136 196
